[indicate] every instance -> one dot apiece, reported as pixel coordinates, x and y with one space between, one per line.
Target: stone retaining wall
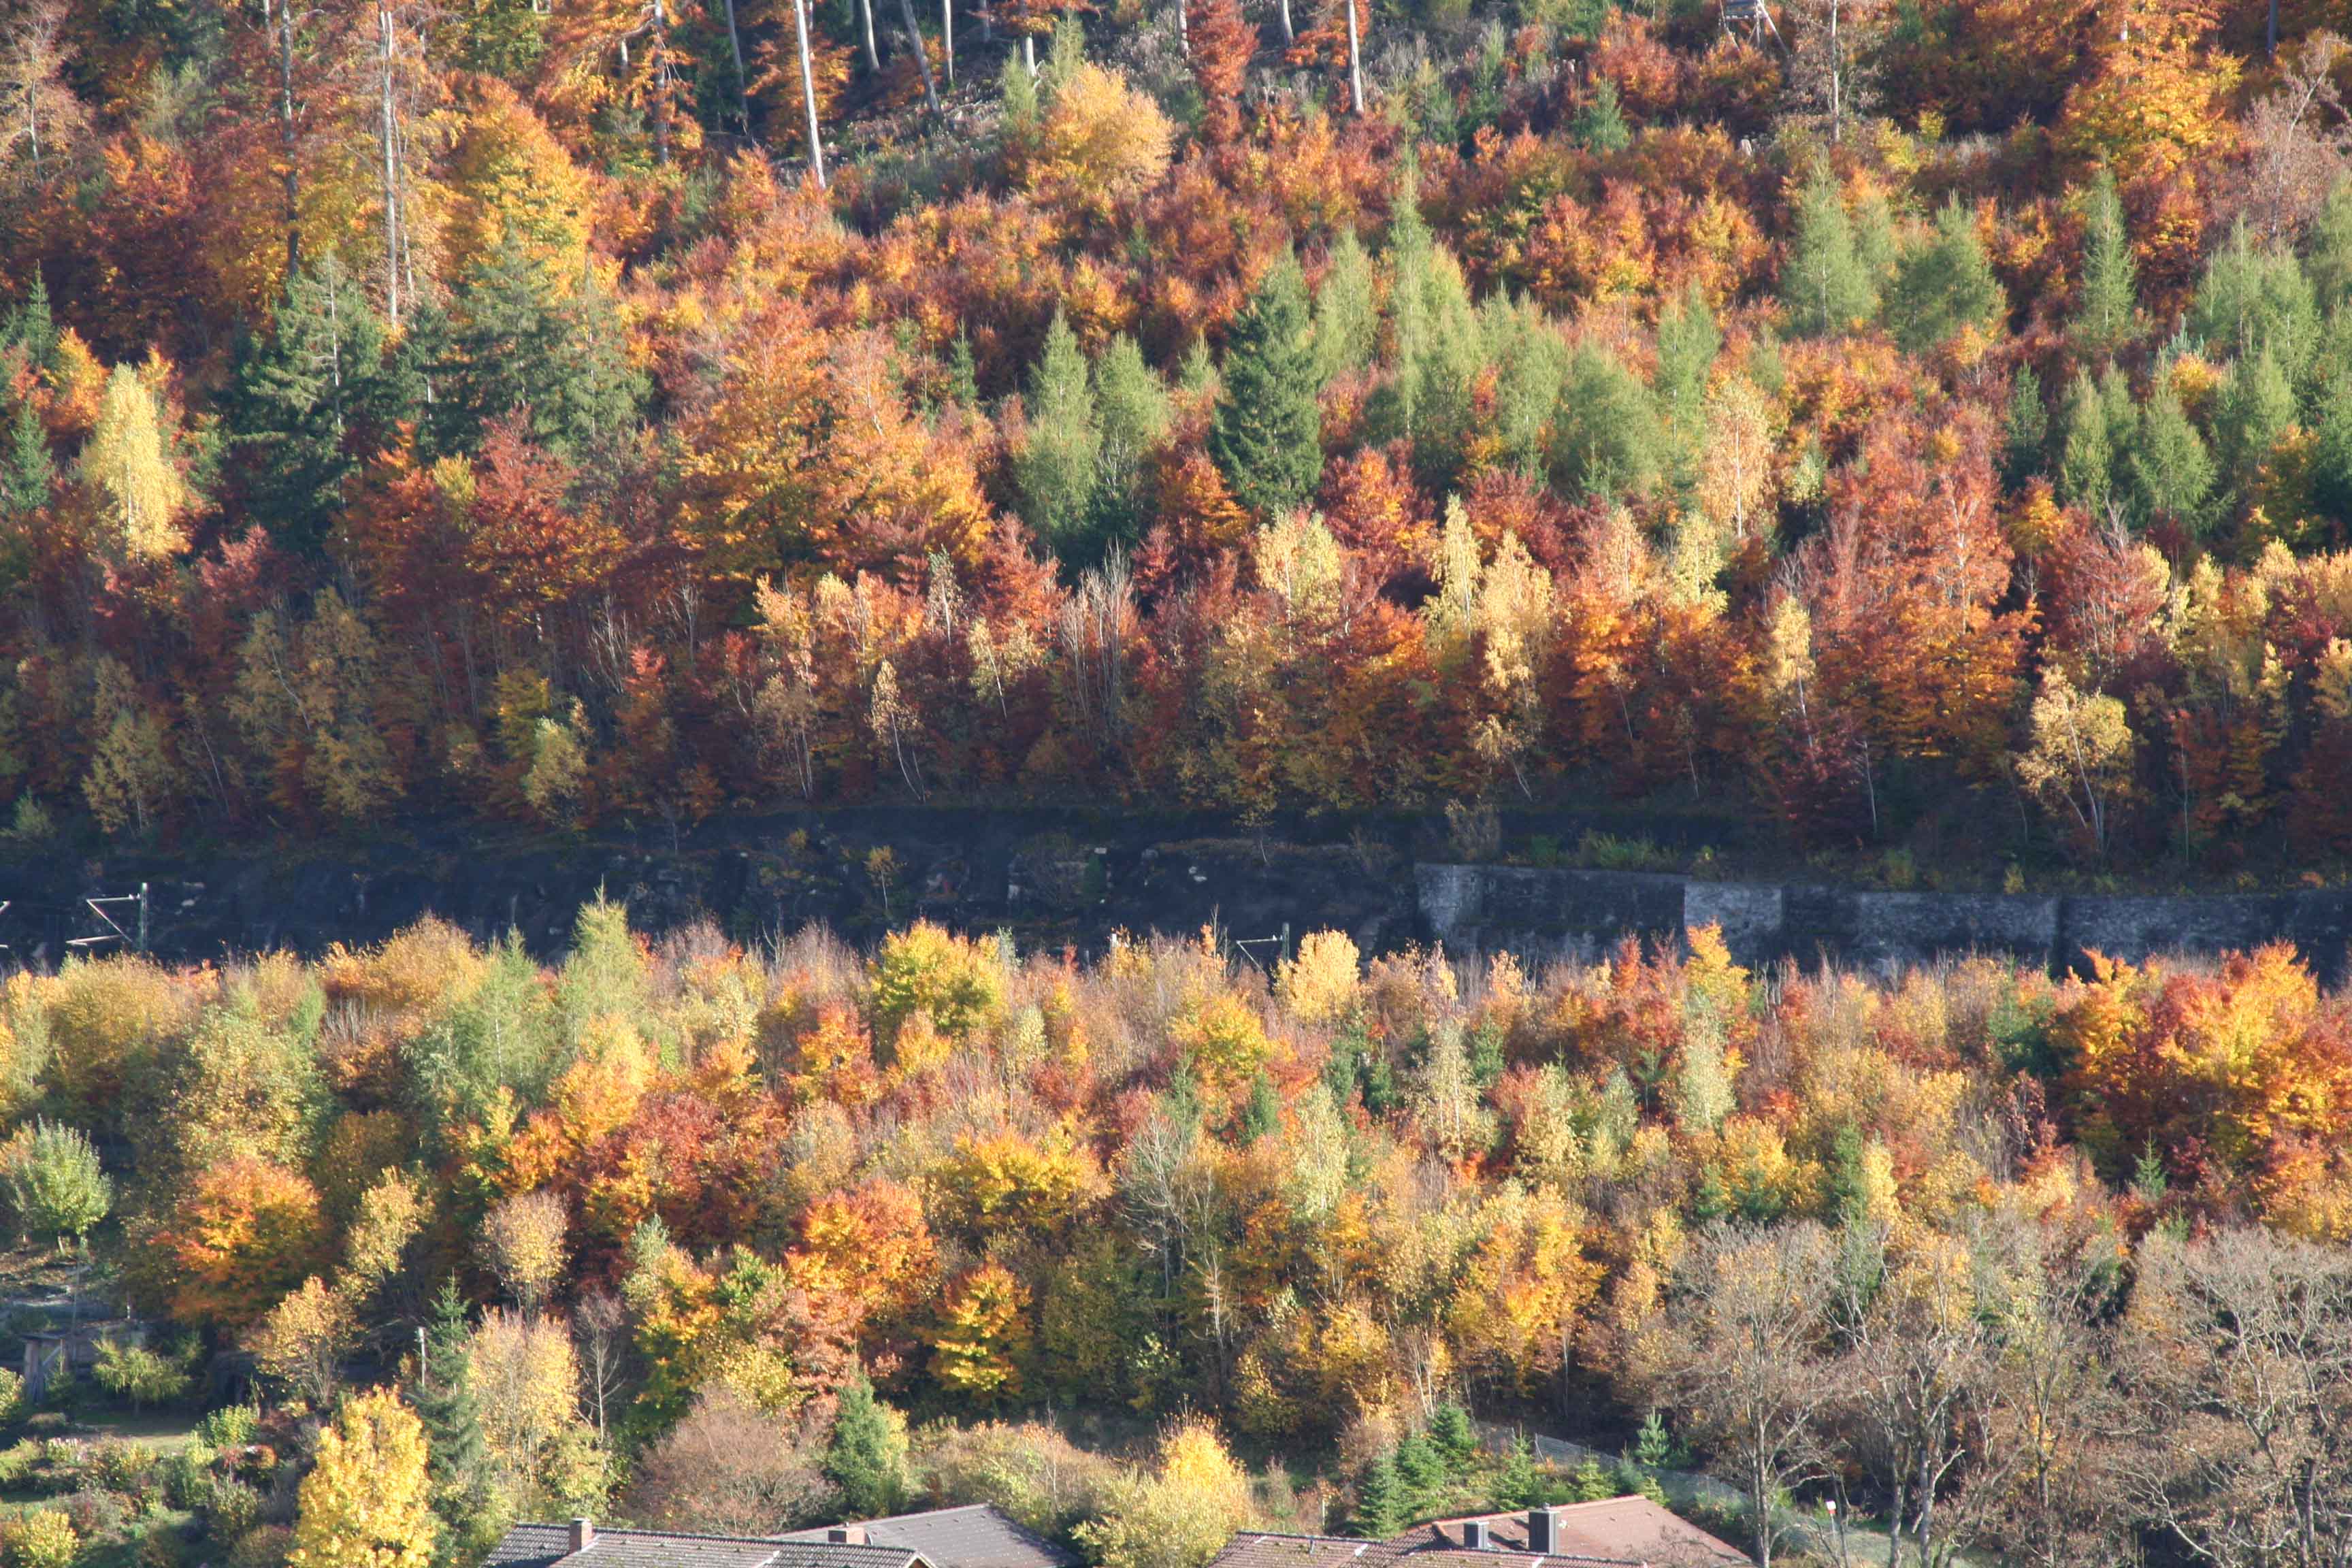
1574 913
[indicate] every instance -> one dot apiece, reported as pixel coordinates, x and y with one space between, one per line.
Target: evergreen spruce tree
1516 1485
2085 465
2331 462
866 1457
1599 126
2108 305
1653 1449
2026 432
2256 408
1944 283
1132 409
31 327
1826 285
1379 1511
1266 436
304 402
1421 1472
1844 1192
1347 320
1456 1437
1592 1482
465 1495
516 342
1262 1112
2172 472
963 376
1056 468
30 477
2327 261
2254 298
1606 438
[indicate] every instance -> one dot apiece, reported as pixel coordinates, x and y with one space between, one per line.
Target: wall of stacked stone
1578 913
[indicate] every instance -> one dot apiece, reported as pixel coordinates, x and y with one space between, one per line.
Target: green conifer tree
2085 465
2256 407
866 1457
1456 1438
1379 1511
1134 413
1942 283
306 403
30 477
1421 1472
31 327
2026 427
2171 471
1826 284
1516 1485
1266 436
464 1492
2106 310
1056 467
1599 126
1347 320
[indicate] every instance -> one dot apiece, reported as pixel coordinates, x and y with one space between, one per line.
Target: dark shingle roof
979 1535
544 1545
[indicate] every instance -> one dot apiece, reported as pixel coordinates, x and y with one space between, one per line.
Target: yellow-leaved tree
1178 1516
128 463
367 1503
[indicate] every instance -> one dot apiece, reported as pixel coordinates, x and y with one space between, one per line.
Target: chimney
1543 1531
846 1535
583 1535
1474 1534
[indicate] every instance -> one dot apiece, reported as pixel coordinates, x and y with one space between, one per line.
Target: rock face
1543 913
1067 879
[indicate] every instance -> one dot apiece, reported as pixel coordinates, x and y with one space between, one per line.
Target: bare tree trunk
922 56
1183 37
1029 54
735 52
865 20
808 91
1837 81
663 96
390 131
1287 36
1355 57
287 136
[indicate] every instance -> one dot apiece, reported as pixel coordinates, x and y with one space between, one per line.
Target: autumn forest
1881 424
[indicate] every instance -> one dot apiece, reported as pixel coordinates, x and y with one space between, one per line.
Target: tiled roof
1626 1530
1616 1532
544 1545
979 1535
1259 1549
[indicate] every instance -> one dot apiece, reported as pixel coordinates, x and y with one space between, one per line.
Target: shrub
40 1538
230 1509
230 1426
140 1376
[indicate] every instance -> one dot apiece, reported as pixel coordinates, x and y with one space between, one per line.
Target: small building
977 1535
1614 1532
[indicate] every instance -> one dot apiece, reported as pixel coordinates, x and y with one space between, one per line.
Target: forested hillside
2029 1272
1905 414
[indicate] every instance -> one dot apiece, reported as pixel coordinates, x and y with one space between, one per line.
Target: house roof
1263 1549
1616 1532
544 1545
1619 1530
977 1535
